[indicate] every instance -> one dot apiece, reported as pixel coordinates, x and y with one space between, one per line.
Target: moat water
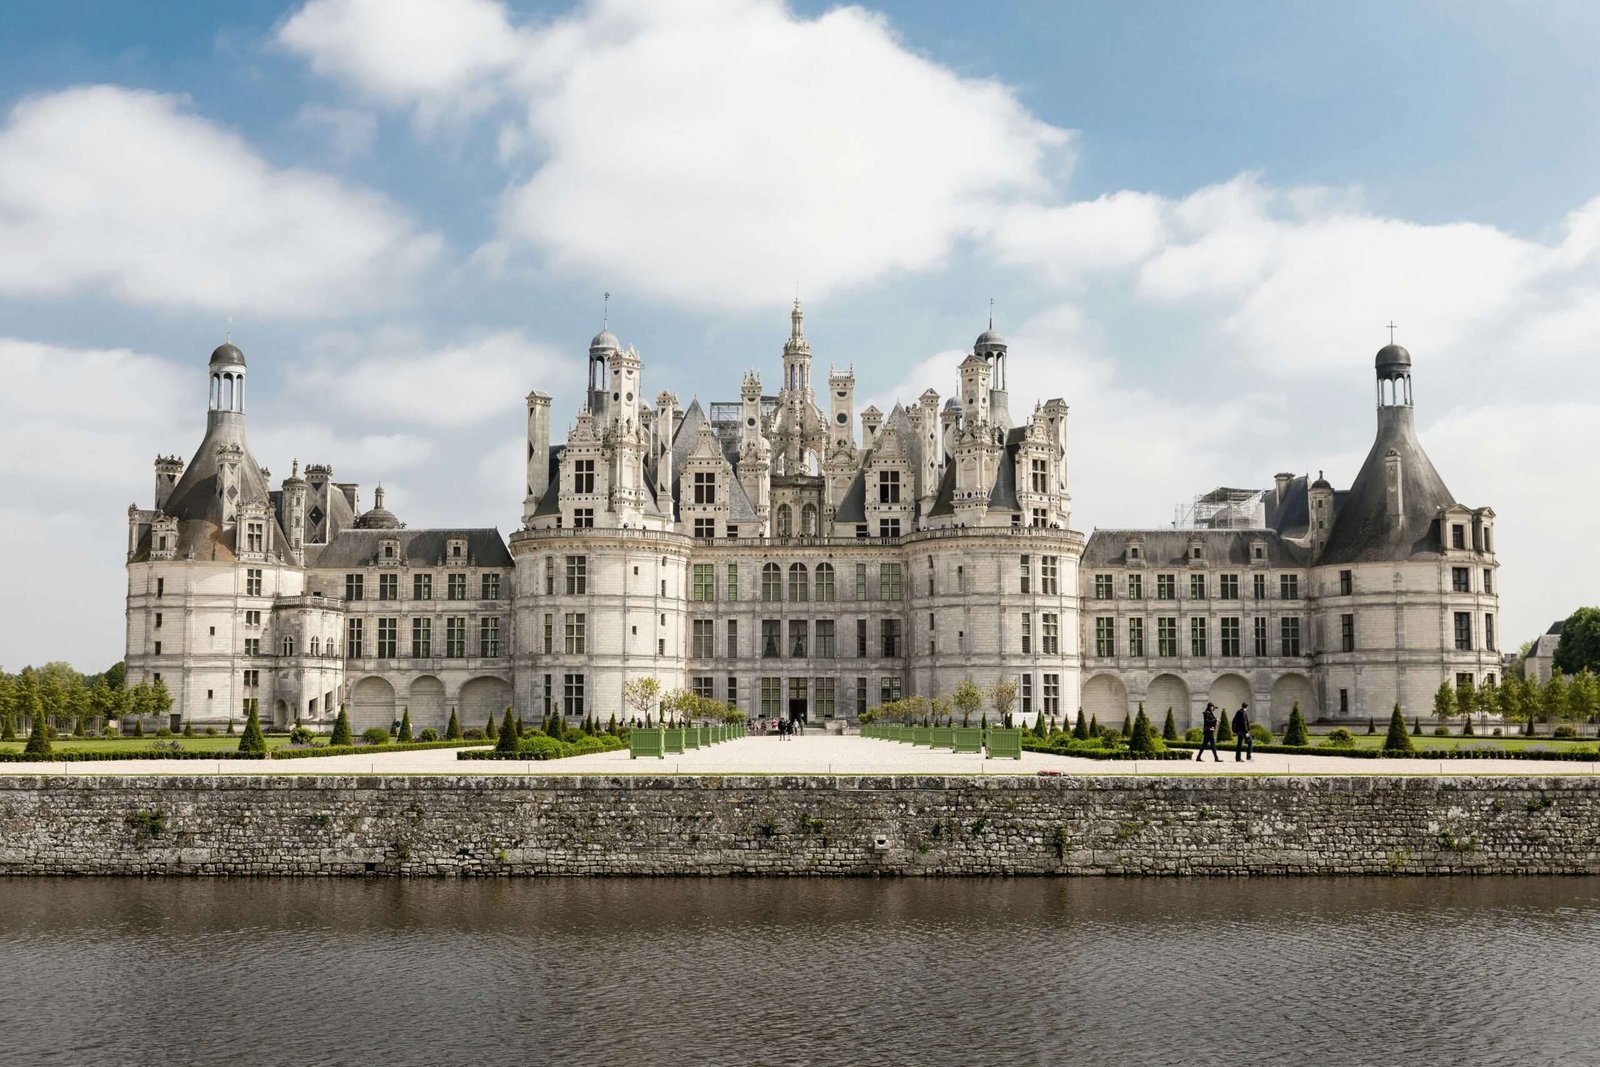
747 972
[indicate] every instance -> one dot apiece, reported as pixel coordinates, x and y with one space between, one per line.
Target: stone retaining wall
311 825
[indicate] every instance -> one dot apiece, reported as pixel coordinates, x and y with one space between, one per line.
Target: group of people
784 728
1243 744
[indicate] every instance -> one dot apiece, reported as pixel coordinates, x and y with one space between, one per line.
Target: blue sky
1193 219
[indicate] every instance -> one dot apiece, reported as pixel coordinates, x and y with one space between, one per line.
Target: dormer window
456 548
1194 553
255 537
1458 536
390 549
705 487
1133 553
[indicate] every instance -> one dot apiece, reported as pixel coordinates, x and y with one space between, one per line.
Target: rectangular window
1047 575
1460 580
1197 587
1228 635
572 705
861 638
733 638
575 633
1050 633
422 638
352 639
1261 637
771 638
252 646
456 587
704 687
455 637
888 487
705 528
1488 581
891 637
158 646
822 698
1289 631
577 575
824 582
889 581
733 582
1197 638
771 697
161 585
1488 631
1102 587
352 586
861 697
888 527
799 632
1105 636
1458 536
1228 587
388 642
705 487
158 619
703 638
388 587
1027 632
1463 630
1135 587
1344 702
1135 637
549 576
1288 587
489 636
1039 476
704 585
1166 637
733 691
825 639
1347 583
583 476
583 518
252 679
1027 577
1166 587
422 586
490 587
889 688
548 633
1052 694
255 537
861 581
1347 633
1025 690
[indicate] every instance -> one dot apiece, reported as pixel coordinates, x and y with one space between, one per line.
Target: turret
928 430
841 401
666 408
226 372
991 348
601 351
538 454
975 377
797 355
168 470
1320 499
294 511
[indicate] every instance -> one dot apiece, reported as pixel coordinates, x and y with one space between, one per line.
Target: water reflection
793 971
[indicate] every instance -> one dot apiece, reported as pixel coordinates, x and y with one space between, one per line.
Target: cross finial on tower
1391 331
605 312
991 313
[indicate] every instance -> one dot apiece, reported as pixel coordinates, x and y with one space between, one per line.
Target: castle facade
794 557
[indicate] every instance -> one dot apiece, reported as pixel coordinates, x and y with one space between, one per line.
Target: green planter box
921 735
643 742
673 740
691 736
1005 744
966 739
943 737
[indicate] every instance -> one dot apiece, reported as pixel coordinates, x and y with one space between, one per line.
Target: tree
160 699
1080 729
1583 697
489 728
405 724
1579 647
507 741
611 725
641 694
1141 740
1169 729
1127 724
451 732
943 710
1397 740
1003 697
39 736
1554 698
1372 725
679 705
341 729
252 742
1296 734
1444 701
967 699
1466 698
1224 728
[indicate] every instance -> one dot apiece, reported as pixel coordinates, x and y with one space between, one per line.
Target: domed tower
602 350
227 384
991 348
797 355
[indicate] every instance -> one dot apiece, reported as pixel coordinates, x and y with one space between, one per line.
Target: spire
797 319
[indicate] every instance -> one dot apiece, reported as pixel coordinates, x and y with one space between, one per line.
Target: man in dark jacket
1244 746
1208 724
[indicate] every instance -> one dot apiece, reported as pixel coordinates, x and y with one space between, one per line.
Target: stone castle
793 557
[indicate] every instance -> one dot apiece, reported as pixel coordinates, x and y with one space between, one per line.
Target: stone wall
308 825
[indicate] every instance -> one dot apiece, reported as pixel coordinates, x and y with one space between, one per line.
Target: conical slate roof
1363 530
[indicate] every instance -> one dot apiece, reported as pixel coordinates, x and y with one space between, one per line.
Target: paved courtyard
813 754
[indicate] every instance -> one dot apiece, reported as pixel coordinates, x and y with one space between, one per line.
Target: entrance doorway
797 710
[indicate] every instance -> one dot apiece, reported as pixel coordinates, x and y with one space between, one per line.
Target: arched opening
808 520
824 582
1169 692
1228 692
372 704
1288 691
799 586
280 714
288 646
482 697
771 582
1105 698
426 701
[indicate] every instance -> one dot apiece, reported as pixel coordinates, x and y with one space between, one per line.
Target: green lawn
221 743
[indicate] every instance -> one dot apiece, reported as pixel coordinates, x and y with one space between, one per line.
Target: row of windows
798 584
1228 586
1461 580
386 644
422 587
804 640
1230 639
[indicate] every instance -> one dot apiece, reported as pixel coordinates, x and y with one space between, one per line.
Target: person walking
1208 737
1244 746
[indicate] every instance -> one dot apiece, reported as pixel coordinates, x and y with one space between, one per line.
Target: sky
1195 223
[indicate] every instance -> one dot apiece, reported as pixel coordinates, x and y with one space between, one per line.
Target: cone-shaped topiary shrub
1398 740
1169 729
341 729
405 724
1141 739
252 741
1372 726
38 738
1080 729
1127 725
507 741
1466 727
1224 729
138 727
453 731
8 727
1416 727
1296 734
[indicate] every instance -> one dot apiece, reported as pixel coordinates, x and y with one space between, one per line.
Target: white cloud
105 189
349 133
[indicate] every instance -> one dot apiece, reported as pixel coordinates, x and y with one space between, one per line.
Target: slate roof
1170 548
1363 530
357 548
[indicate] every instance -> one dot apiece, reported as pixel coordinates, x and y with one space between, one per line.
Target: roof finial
991 313
227 337
1391 331
294 471
605 313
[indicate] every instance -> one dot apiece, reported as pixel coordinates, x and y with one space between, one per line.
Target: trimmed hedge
544 747
1083 751
364 750
89 757
1584 754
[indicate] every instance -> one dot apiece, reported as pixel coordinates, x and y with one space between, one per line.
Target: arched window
785 521
771 582
808 520
798 583
316 646
288 646
824 581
